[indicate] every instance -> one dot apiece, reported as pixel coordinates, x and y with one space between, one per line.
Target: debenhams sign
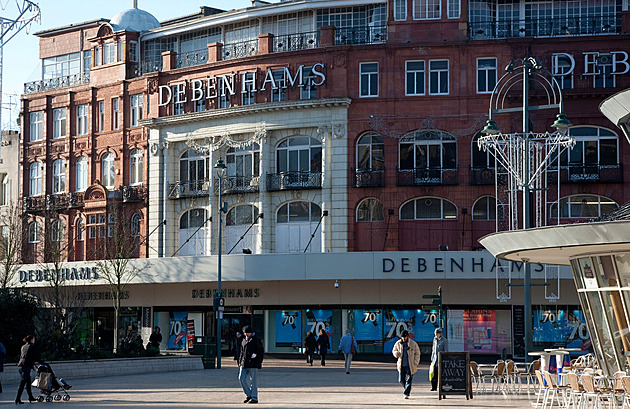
243 83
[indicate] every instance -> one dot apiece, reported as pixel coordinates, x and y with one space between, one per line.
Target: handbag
353 350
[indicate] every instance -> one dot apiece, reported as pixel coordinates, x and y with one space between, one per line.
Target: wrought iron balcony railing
360 35
424 176
191 58
151 65
54 83
368 178
75 200
586 174
182 190
58 203
546 27
298 41
237 184
294 181
133 194
240 49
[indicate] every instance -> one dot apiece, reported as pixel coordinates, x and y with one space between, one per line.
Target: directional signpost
436 304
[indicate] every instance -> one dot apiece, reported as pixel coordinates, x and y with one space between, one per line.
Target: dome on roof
135 20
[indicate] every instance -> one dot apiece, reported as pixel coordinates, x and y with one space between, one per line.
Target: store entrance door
231 324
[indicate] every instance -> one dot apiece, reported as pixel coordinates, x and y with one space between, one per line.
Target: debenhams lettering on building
67 274
243 82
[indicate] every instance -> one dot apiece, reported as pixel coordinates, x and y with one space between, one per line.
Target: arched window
427 157
194 172
59 176
370 210
82 174
583 206
35 178
243 165
194 233
109 170
295 223
135 225
426 208
135 167
485 208
80 229
56 231
371 152
33 232
299 154
238 221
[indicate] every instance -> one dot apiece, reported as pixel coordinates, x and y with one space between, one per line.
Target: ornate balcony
231 185
191 58
424 176
133 194
294 181
75 200
368 178
298 41
240 49
587 174
183 190
56 203
360 35
151 65
546 27
54 83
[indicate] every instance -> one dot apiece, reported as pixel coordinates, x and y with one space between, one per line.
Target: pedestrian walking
28 356
237 346
439 345
323 343
250 361
408 354
3 354
155 339
310 346
348 346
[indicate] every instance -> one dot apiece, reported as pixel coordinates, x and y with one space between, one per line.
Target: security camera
336 284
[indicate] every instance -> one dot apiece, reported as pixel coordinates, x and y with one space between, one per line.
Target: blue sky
21 54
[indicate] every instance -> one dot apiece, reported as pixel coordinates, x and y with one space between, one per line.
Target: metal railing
360 35
54 83
424 176
151 65
58 202
546 27
237 184
294 181
182 190
133 194
298 41
368 178
240 49
586 174
191 58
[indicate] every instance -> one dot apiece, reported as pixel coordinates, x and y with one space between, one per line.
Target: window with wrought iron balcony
427 157
298 165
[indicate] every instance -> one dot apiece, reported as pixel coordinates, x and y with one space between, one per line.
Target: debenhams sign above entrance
243 83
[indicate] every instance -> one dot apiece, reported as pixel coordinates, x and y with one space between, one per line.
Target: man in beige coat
408 354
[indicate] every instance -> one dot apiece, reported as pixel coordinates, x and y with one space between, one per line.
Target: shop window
59 123
370 210
296 222
242 221
135 167
194 233
485 209
59 176
35 179
109 170
426 208
368 79
583 206
486 75
37 126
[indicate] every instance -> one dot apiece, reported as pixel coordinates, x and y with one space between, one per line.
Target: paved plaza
282 384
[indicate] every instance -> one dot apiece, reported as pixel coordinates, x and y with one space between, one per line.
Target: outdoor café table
559 354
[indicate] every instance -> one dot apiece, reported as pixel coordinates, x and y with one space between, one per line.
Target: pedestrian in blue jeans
348 346
250 361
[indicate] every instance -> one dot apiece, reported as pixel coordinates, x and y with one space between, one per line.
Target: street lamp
220 166
526 156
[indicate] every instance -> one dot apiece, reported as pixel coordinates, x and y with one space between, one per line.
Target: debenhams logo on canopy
249 81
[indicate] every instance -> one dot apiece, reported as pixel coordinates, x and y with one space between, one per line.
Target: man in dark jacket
250 361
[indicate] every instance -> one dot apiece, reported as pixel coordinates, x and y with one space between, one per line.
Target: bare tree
121 246
13 238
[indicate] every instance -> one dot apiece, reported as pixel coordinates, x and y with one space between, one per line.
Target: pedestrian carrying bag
431 369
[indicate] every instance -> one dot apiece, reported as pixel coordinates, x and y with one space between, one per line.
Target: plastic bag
35 383
431 369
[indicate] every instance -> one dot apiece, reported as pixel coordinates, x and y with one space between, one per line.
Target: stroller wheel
66 397
57 397
40 398
49 398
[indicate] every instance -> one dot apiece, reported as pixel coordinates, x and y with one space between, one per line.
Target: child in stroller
51 388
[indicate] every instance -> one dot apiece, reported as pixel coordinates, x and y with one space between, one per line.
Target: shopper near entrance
28 356
439 345
237 345
250 361
3 354
310 346
408 354
323 343
348 346
155 339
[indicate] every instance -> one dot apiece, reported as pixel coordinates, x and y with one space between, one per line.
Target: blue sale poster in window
368 325
177 333
561 326
425 325
396 321
320 319
288 326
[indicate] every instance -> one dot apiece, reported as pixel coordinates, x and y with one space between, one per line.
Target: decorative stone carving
152 84
340 59
339 130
